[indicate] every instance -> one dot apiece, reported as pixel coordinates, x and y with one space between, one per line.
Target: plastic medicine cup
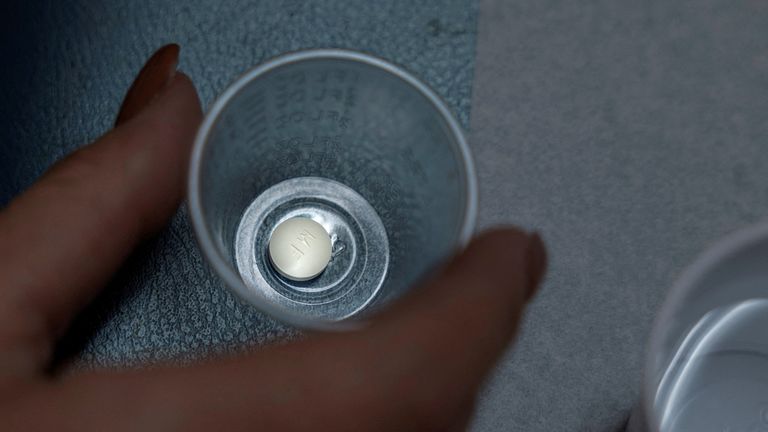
706 365
355 144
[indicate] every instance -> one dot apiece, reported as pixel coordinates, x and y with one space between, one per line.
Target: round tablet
300 248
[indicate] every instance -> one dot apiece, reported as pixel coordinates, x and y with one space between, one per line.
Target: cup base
360 248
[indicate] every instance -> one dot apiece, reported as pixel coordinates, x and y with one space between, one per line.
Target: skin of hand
417 366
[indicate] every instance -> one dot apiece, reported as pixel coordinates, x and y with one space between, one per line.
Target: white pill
300 248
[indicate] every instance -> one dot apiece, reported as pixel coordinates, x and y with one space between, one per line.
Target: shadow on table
621 426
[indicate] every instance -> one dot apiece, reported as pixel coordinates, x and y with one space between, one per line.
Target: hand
417 366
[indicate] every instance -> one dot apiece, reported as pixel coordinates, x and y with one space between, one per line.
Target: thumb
451 331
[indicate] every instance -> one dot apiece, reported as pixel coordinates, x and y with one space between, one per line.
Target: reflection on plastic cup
707 362
353 143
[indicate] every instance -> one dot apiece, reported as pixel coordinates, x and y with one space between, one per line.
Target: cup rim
204 238
685 283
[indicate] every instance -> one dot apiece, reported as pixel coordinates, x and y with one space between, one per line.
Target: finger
474 304
64 237
416 368
450 332
153 77
464 418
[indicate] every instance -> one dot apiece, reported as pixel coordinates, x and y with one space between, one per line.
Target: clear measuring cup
351 142
707 361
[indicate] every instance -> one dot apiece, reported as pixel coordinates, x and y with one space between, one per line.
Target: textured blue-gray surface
67 66
632 134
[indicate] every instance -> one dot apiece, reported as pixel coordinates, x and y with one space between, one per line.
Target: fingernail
153 77
537 263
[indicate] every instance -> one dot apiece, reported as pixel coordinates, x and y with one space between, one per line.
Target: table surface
631 134
70 64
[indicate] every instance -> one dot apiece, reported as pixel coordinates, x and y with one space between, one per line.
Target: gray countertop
631 134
